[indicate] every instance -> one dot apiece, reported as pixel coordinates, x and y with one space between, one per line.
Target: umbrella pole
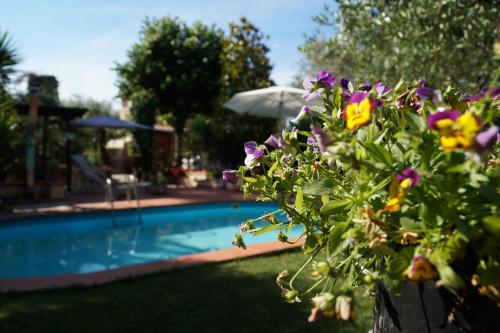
281 119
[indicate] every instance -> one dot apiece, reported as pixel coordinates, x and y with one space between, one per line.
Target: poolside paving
94 201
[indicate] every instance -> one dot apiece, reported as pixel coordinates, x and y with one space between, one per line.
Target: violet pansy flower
308 85
486 139
274 141
493 92
323 79
432 121
305 110
425 93
253 153
322 138
229 176
381 88
326 79
367 86
250 147
408 178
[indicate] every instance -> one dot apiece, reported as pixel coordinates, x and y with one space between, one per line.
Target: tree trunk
180 123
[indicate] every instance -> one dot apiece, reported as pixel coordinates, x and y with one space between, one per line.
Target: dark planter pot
423 308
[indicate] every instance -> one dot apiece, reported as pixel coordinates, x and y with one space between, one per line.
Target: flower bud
323 268
291 296
344 308
282 237
238 241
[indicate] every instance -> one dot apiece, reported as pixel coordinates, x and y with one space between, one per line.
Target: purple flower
250 147
311 141
323 79
230 176
326 79
434 118
381 88
258 153
344 83
487 138
308 85
425 93
493 92
322 138
275 142
253 153
367 86
358 97
346 93
410 174
305 110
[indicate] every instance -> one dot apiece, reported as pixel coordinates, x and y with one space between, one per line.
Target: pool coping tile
103 277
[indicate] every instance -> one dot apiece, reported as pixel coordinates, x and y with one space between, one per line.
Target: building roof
52 111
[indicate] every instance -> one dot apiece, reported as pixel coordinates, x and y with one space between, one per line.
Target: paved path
94 201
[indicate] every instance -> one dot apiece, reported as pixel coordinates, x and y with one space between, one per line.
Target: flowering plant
389 184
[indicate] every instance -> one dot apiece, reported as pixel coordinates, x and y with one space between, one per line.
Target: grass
239 296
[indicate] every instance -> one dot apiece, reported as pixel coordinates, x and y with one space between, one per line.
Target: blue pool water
88 242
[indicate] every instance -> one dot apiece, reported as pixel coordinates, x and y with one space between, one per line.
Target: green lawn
239 296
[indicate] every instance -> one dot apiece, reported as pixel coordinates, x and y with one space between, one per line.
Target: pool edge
103 277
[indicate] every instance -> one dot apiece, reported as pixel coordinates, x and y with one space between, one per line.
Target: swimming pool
88 242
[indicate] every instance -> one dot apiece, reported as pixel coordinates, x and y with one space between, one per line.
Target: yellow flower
358 111
394 204
456 131
420 270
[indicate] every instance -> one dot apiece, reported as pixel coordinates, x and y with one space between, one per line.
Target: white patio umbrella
273 102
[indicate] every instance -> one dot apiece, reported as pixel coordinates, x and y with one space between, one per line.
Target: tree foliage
447 41
245 66
178 64
143 110
10 136
8 58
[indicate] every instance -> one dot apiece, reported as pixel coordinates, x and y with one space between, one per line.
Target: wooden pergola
67 114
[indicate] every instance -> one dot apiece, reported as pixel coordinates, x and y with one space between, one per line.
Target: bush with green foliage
447 41
178 64
389 184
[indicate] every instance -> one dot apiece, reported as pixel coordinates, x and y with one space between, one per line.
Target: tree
87 139
10 134
143 110
445 41
178 64
245 66
8 58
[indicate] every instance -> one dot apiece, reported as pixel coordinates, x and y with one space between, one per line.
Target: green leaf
400 261
272 168
492 224
379 153
299 200
336 235
335 207
311 242
249 179
414 121
320 187
409 224
449 277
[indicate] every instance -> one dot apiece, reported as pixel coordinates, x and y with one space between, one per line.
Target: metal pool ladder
131 188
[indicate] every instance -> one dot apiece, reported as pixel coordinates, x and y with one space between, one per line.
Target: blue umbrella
108 122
